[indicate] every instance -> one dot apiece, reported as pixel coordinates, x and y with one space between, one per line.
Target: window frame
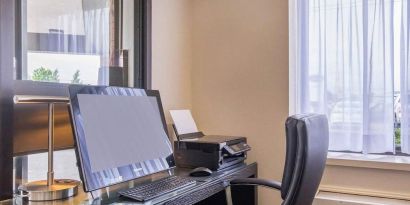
6 97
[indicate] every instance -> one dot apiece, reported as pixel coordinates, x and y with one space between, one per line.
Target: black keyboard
149 191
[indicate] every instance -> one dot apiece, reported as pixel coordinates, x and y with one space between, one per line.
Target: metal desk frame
242 195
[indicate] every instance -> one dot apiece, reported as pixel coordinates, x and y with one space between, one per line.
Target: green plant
45 74
76 78
397 132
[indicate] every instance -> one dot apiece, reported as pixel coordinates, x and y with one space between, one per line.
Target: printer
193 149
214 152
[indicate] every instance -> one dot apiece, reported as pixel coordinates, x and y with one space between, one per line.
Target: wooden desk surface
110 196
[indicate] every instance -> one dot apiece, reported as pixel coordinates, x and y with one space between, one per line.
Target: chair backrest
307 141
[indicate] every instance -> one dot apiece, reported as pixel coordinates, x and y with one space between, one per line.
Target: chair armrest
257 182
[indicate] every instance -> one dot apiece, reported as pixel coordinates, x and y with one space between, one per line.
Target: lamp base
40 191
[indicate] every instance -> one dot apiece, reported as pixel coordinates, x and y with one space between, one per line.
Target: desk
208 190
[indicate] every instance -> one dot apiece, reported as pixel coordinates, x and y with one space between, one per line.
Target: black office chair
307 141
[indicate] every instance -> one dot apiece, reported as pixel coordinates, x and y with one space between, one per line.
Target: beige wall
227 60
172 52
240 76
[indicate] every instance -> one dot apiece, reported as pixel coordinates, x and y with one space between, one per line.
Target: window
96 42
37 166
351 63
83 41
65 41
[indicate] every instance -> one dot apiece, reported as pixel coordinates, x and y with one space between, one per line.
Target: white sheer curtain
343 53
96 24
405 75
92 23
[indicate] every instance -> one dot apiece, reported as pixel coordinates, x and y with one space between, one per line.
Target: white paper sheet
183 121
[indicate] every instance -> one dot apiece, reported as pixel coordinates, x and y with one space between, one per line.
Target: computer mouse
200 172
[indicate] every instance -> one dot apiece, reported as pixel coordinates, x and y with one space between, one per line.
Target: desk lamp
50 189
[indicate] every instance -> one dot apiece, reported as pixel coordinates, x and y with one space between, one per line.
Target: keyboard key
155 189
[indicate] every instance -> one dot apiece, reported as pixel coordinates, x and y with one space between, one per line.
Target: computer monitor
120 134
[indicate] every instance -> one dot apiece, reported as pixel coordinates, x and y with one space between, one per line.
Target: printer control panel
237 148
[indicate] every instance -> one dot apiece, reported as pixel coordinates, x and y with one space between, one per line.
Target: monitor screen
120 134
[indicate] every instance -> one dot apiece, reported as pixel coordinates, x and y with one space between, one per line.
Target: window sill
373 161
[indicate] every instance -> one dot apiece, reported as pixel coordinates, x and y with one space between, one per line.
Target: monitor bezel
74 111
